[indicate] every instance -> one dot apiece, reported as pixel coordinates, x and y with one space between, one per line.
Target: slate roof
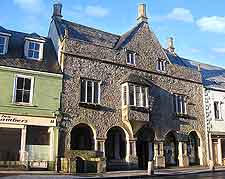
15 55
213 76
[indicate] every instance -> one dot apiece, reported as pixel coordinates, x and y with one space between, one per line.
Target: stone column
101 146
127 150
23 156
182 155
150 151
220 160
159 159
51 144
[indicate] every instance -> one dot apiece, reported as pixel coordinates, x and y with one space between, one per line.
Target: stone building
124 102
30 85
214 102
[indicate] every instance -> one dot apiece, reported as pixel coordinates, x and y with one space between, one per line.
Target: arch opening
193 145
82 138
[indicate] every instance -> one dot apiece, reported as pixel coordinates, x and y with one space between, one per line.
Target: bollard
150 168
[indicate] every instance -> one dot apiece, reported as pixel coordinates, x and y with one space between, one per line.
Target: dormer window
33 49
131 58
4 38
161 65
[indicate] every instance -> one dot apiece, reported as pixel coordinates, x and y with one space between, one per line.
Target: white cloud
219 50
194 50
212 24
96 11
181 14
34 6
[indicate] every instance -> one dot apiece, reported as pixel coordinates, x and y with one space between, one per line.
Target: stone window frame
27 49
6 42
126 95
180 104
161 65
219 117
31 89
86 80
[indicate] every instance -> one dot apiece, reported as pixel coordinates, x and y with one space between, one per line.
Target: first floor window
179 102
218 105
134 95
90 91
23 89
2 44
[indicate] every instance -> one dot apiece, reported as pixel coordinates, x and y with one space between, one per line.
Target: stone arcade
124 102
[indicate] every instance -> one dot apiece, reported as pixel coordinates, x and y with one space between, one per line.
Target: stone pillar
182 155
159 159
51 144
150 152
23 156
101 146
220 160
127 150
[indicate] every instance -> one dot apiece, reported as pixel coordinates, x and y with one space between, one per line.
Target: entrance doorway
145 146
171 149
9 144
193 144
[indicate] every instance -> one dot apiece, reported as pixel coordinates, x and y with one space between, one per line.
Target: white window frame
127 86
178 99
26 49
131 55
86 92
31 90
161 65
5 46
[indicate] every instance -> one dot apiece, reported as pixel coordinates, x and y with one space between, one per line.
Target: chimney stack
57 10
142 16
170 45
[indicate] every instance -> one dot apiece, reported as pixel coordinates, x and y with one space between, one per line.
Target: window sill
91 105
24 104
159 71
139 109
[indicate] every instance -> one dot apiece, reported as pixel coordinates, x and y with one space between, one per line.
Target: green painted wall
46 94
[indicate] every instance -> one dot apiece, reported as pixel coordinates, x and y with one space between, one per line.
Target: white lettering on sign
26 120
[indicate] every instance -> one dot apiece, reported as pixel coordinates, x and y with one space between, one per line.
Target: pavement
116 174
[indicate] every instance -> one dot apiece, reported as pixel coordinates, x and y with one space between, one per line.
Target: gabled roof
15 55
212 76
87 34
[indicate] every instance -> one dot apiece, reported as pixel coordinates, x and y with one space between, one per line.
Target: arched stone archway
145 146
82 138
171 149
193 145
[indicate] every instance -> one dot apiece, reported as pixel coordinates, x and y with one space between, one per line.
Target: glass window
179 104
33 50
161 65
216 110
23 90
131 58
90 91
2 44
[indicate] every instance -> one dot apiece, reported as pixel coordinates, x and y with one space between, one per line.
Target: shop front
28 142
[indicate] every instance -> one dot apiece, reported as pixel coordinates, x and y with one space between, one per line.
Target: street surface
216 175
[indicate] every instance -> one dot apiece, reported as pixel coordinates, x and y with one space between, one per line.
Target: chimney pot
57 10
170 43
142 15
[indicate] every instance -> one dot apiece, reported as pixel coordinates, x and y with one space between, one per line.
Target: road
216 175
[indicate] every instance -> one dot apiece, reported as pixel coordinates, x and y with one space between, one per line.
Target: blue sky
198 27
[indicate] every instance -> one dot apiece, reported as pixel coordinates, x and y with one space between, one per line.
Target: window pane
174 103
19 95
183 104
131 94
27 84
216 109
125 95
37 46
82 91
30 53
31 45
96 92
89 92
138 96
179 103
36 54
26 96
2 40
20 82
1 48
144 96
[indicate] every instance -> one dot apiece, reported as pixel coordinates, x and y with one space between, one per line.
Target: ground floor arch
145 146
171 149
82 138
193 148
